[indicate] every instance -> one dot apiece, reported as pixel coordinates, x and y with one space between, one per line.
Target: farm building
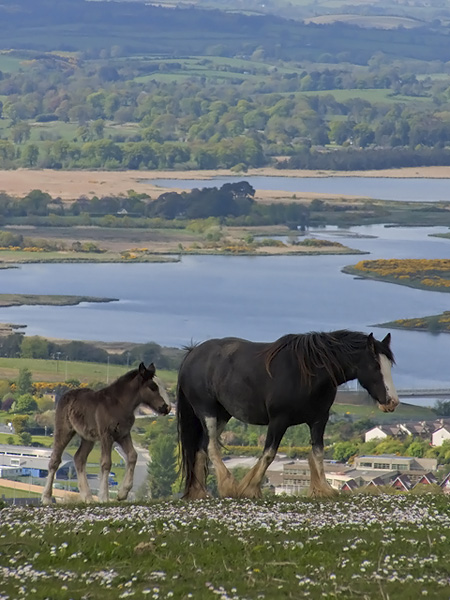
28 460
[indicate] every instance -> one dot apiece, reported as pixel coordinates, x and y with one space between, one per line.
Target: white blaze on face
162 390
386 372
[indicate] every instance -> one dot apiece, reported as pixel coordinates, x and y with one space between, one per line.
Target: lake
380 188
260 298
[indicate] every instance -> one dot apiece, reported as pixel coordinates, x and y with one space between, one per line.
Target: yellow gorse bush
433 273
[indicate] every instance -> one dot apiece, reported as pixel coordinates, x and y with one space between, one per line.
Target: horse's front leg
105 467
63 436
250 486
131 457
226 483
319 486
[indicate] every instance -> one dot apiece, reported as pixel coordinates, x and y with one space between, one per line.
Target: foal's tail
190 437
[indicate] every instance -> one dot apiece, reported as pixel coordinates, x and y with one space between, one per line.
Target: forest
233 91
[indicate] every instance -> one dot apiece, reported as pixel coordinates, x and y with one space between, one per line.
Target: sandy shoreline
70 185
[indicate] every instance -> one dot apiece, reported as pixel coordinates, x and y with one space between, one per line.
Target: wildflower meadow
386 546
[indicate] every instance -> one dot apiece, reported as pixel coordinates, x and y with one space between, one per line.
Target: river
259 298
380 188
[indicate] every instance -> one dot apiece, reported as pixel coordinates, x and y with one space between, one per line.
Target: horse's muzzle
164 410
390 406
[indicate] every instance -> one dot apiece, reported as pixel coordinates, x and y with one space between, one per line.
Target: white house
440 435
381 432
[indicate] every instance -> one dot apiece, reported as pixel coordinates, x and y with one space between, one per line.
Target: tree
34 347
344 450
25 438
162 471
417 448
19 423
25 404
7 402
24 382
20 132
30 155
442 408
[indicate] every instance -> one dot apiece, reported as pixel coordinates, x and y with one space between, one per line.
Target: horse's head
151 391
374 373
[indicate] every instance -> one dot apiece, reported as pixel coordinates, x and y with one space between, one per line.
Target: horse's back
78 408
226 371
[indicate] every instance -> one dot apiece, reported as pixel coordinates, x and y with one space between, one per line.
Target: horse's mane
320 350
124 379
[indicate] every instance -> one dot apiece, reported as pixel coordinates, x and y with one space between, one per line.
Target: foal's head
374 372
151 390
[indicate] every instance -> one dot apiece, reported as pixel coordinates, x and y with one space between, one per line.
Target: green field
358 546
6 492
404 412
61 370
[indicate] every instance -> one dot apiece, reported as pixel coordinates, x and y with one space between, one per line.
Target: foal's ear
142 369
151 370
387 340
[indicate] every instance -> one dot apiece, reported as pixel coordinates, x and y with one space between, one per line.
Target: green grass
25 256
404 412
358 546
374 96
58 371
44 440
11 64
6 492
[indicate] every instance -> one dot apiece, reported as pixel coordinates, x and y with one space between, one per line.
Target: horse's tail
190 437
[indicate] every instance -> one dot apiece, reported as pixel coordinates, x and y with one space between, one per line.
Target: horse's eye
152 385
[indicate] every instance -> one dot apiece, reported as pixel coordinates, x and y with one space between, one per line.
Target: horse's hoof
250 493
196 494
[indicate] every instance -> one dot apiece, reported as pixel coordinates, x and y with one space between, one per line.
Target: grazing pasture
360 546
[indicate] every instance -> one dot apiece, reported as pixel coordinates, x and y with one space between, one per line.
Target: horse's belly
246 412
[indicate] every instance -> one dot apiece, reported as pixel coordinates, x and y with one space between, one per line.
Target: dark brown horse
108 416
290 381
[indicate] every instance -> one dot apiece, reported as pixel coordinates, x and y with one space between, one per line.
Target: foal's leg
319 486
105 467
62 438
80 460
250 486
131 454
225 480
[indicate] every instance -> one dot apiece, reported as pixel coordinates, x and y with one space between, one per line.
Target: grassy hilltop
359 546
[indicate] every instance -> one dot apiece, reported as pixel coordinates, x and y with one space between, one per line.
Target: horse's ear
387 340
151 370
142 369
371 343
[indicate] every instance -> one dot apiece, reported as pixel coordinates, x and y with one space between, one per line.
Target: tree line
16 345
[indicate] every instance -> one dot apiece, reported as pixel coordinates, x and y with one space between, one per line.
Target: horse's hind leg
226 483
62 438
197 489
105 468
250 486
131 454
80 460
319 486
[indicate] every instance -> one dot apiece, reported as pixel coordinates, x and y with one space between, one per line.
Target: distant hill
75 25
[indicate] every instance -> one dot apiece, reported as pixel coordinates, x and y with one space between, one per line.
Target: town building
31 461
441 435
